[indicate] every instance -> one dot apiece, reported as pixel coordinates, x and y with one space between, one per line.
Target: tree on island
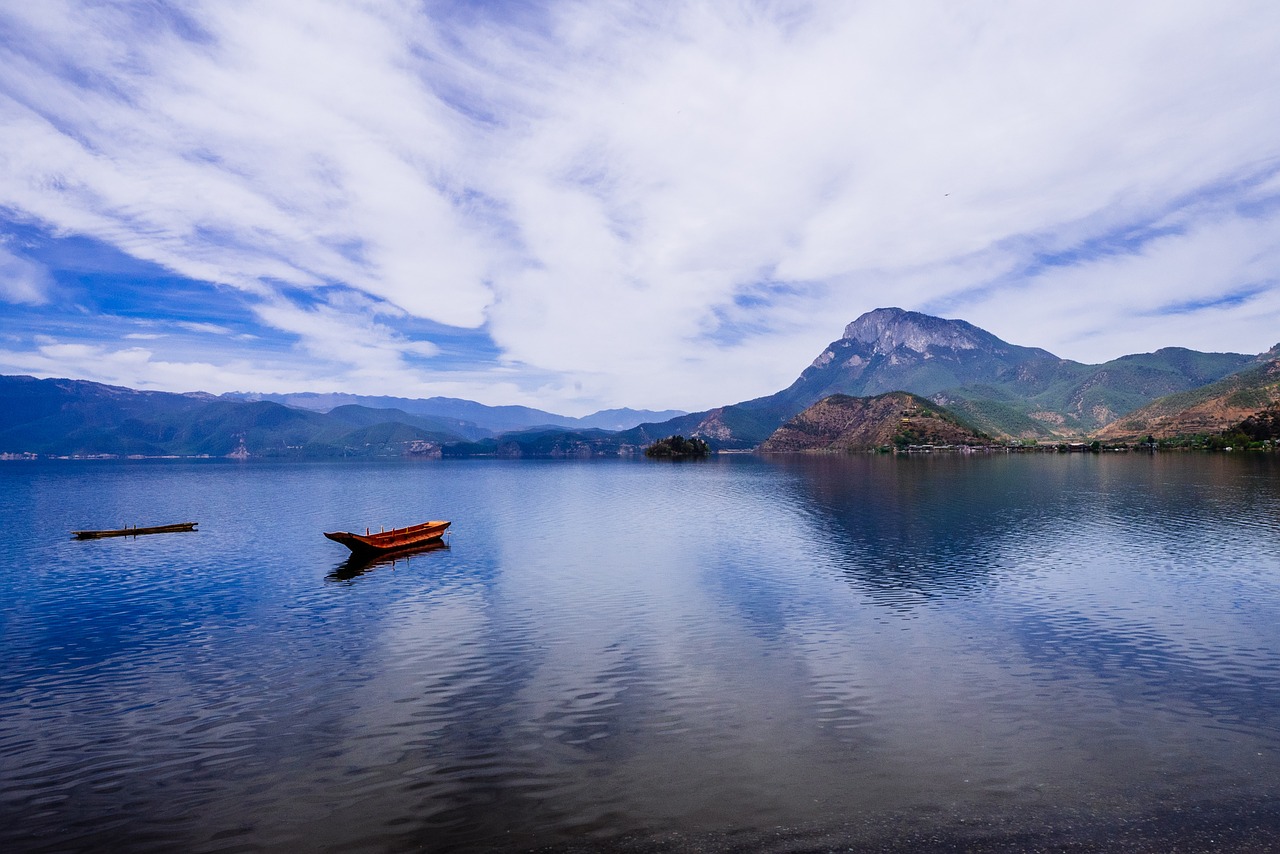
677 447
1261 426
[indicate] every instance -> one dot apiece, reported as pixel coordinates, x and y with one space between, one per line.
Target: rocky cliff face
887 329
890 349
949 361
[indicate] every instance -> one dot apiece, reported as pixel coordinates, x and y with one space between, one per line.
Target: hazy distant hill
1001 388
75 417
894 419
625 418
552 442
466 415
64 417
79 417
1208 409
364 416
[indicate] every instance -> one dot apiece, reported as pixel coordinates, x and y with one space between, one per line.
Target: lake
989 653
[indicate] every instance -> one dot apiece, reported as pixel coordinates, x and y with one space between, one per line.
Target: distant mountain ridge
494 419
999 387
76 417
66 417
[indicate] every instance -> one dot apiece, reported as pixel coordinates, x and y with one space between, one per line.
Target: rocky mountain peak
887 329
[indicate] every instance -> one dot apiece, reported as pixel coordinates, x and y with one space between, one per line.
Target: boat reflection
357 565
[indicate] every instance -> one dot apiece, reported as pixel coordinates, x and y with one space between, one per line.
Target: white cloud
137 367
22 280
901 155
607 193
161 365
298 139
347 332
204 328
1212 287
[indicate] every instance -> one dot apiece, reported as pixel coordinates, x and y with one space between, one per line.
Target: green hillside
1211 408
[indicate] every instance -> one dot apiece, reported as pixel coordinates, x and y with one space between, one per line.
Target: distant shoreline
962 450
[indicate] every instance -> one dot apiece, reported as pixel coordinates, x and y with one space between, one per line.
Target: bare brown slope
1209 409
843 423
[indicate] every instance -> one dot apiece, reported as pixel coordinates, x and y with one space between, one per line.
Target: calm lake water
948 653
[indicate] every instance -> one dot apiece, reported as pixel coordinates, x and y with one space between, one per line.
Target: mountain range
1250 393
1000 388
490 419
66 417
955 376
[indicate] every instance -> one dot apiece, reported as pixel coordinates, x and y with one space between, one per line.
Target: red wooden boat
390 541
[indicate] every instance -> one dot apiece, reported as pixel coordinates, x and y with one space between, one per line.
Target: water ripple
746 653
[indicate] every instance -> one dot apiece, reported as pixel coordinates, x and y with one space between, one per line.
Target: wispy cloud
22 280
204 328
661 205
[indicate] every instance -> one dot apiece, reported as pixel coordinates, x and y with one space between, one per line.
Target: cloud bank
576 205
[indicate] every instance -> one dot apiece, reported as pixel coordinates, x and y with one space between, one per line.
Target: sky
586 205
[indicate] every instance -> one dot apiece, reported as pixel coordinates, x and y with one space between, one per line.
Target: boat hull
136 532
397 539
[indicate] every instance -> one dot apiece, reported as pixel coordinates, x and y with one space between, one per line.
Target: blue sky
580 205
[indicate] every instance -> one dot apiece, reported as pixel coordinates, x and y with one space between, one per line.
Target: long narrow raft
389 541
135 531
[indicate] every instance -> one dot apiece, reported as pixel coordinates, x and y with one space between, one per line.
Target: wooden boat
389 541
135 531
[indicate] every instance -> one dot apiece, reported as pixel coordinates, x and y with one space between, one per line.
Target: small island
678 447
